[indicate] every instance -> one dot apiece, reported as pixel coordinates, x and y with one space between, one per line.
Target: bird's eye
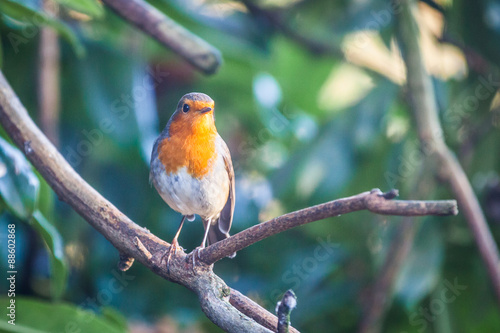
185 108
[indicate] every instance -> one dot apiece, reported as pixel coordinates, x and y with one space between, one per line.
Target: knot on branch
125 262
387 195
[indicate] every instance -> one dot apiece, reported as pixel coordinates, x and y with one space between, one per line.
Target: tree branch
425 111
228 309
375 201
150 20
283 309
380 292
317 47
313 46
255 311
475 61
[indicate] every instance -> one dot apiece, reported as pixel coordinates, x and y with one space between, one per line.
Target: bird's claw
196 253
174 247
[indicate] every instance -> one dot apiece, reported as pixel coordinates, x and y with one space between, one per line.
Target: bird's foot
196 253
172 250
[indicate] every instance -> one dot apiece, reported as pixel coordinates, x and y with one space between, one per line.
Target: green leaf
19 189
46 198
54 242
19 186
35 316
92 8
29 16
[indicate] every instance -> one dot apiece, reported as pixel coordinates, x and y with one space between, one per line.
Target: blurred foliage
302 129
19 189
32 317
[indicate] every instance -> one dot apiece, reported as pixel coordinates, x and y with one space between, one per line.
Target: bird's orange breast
190 144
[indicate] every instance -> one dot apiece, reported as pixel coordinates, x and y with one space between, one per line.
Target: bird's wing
226 215
154 153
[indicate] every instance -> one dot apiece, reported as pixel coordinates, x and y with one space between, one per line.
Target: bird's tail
215 235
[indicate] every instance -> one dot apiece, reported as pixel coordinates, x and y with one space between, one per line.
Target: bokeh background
311 101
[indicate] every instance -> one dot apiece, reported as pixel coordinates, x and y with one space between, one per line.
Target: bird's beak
206 109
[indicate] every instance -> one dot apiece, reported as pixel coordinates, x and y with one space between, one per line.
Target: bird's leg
175 245
202 246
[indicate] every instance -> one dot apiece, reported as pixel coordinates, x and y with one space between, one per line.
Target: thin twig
435 5
274 18
315 46
283 309
373 201
425 111
475 61
142 248
150 20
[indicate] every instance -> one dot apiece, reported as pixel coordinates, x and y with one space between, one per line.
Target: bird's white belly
205 196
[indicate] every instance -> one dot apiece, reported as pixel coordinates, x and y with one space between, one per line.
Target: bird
192 171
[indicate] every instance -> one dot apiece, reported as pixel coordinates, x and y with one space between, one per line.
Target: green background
303 128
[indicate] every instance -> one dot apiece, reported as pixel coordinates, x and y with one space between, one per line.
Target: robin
192 171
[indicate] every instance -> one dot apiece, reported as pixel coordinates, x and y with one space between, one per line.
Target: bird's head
195 109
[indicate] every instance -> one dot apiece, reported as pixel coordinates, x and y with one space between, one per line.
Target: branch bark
150 20
425 112
255 311
374 201
228 309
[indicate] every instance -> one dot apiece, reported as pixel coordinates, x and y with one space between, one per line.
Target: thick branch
147 18
425 111
374 201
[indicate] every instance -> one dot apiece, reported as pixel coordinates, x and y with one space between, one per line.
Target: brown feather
226 215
